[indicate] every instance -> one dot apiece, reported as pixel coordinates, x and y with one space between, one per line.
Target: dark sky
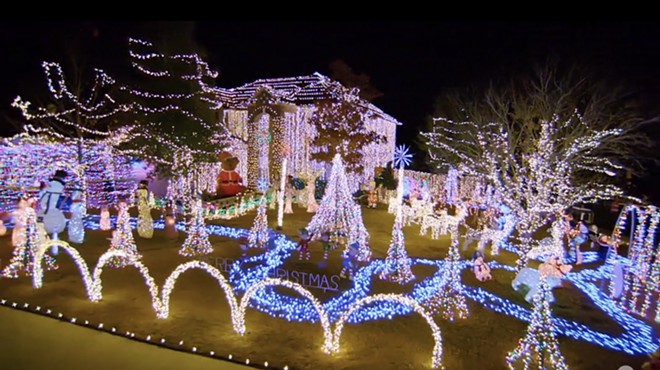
410 62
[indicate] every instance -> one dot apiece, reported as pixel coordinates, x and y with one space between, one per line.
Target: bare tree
545 142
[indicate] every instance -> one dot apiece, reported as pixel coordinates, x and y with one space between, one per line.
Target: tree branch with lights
545 143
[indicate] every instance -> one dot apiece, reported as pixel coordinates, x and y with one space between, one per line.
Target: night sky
410 62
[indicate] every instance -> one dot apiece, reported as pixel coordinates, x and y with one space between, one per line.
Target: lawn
199 313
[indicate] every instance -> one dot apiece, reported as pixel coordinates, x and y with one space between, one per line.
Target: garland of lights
26 160
639 279
436 361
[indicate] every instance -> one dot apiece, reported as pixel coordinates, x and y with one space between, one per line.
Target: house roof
301 90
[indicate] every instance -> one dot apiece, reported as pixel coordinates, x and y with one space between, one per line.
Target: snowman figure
50 202
75 227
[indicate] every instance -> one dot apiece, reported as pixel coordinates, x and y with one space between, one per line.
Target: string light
323 316
533 179
636 338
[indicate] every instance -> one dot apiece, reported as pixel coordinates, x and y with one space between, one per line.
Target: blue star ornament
262 184
402 156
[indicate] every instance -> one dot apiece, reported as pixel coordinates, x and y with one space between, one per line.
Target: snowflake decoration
402 156
263 184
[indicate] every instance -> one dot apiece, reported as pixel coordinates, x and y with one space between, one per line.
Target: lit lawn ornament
75 228
145 224
350 261
50 205
228 182
303 244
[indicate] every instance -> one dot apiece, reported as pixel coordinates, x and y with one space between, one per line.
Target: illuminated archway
171 280
38 272
149 280
397 298
323 316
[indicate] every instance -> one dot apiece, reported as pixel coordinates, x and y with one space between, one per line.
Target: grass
199 313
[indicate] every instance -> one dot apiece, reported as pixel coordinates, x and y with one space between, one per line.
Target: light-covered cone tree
339 215
122 239
450 301
397 262
539 348
197 242
23 254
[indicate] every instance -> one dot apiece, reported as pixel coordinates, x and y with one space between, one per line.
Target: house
260 132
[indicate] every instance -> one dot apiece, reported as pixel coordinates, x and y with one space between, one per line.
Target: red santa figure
228 182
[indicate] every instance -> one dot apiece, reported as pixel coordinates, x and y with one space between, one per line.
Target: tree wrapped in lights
397 263
539 347
341 128
544 143
75 109
122 239
197 242
176 111
258 236
78 112
23 254
450 301
339 215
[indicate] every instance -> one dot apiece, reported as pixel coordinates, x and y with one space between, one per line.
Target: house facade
266 133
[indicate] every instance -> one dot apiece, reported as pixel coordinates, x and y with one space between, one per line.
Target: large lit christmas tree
23 255
449 300
122 239
339 215
397 263
539 349
258 237
197 242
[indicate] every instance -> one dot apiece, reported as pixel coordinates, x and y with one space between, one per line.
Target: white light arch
171 280
38 272
149 280
323 316
397 298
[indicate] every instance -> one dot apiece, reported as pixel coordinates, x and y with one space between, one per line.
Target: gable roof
301 90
